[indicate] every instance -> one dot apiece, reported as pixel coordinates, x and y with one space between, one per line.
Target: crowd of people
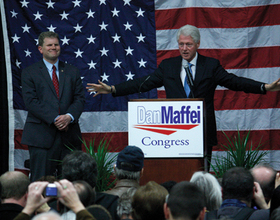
241 194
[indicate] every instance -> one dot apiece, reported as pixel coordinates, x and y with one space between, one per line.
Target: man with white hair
190 75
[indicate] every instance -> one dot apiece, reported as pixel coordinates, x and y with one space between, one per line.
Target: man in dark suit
52 121
207 74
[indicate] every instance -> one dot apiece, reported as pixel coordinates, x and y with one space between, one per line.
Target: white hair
210 187
189 30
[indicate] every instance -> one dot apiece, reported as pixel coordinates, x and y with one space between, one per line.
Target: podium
171 133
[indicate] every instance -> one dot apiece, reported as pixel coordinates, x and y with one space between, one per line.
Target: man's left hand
62 122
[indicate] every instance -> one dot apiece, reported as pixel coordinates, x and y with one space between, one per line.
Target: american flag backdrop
118 40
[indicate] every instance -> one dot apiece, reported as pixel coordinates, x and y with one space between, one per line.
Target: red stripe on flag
268 138
235 58
218 17
231 100
118 140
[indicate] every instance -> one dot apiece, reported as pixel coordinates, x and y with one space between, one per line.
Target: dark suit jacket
43 106
209 74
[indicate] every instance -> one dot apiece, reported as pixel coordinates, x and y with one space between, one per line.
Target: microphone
139 91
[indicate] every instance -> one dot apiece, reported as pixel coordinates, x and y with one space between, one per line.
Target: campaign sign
167 129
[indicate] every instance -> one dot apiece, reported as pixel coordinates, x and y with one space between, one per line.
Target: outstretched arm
275 86
100 88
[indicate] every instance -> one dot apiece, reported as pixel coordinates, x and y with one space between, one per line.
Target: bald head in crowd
266 176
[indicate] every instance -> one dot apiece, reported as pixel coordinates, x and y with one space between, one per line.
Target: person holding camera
66 194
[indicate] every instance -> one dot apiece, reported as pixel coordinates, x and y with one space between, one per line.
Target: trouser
47 162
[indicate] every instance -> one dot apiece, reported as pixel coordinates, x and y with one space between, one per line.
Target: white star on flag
115 12
51 28
91 39
18 63
27 53
26 28
116 38
117 64
14 14
129 76
103 26
104 77
15 38
140 38
64 15
76 3
90 14
38 15
104 51
65 40
102 2
79 53
128 26
129 51
126 2
91 64
142 63
50 4
24 3
78 28
140 13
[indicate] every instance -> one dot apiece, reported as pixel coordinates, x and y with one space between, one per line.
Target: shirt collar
50 66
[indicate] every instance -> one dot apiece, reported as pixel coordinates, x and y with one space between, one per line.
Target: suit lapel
177 75
61 77
200 65
45 74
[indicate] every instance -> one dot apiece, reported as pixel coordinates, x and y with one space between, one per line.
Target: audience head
185 201
51 215
168 185
124 208
265 175
85 192
189 30
275 200
238 183
79 165
210 188
14 185
147 202
50 179
130 162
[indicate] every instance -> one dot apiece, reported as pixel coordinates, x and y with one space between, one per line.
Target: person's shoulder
34 65
105 197
69 68
67 65
209 61
172 59
260 214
